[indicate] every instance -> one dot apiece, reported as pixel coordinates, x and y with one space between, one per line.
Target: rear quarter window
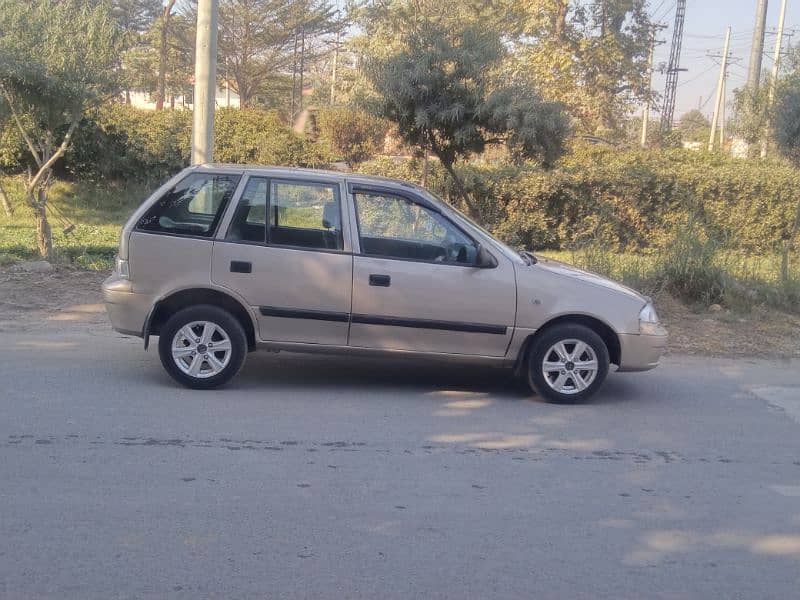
193 207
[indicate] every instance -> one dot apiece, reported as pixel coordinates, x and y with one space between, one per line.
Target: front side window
192 207
394 227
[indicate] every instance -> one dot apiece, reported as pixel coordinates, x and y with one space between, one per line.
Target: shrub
119 142
351 133
628 200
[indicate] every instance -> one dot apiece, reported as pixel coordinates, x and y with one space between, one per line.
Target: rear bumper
126 310
641 352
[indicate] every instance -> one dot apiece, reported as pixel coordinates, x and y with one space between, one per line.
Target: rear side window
192 207
288 213
249 223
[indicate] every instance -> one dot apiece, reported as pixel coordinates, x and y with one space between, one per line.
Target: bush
118 142
688 268
257 136
351 133
628 200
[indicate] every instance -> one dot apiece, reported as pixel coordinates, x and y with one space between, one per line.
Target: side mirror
484 259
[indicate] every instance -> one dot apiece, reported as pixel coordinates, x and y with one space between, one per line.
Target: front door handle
380 280
241 266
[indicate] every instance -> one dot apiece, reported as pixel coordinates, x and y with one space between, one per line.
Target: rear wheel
567 363
202 346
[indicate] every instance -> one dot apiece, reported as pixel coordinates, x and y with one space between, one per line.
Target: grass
699 278
97 210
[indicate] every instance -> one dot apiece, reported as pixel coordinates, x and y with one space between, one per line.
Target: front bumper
126 310
641 352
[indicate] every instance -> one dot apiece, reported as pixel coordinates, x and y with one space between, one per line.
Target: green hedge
629 200
121 143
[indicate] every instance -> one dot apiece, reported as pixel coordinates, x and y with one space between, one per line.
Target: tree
163 50
134 18
591 56
57 58
445 90
786 130
260 41
751 115
694 126
145 63
353 133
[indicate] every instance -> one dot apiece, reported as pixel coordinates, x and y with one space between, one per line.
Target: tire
561 380
211 362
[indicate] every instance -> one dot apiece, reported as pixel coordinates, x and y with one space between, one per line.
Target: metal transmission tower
673 68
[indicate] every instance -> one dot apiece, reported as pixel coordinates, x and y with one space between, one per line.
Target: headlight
122 268
648 321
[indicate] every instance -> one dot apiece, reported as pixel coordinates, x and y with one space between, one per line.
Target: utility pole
205 82
227 85
646 111
333 70
720 89
773 80
722 115
757 50
673 68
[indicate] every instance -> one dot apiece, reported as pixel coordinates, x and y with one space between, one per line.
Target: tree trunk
162 56
462 191
425 160
44 236
561 19
9 210
37 186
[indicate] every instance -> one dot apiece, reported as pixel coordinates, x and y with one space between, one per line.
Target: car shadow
319 372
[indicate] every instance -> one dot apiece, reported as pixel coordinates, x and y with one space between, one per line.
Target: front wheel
202 346
567 364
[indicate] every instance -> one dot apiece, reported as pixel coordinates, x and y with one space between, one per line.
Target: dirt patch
764 333
71 297
55 299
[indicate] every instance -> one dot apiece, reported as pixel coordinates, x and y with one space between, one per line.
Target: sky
704 32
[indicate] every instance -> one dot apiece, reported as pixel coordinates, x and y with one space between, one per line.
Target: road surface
316 477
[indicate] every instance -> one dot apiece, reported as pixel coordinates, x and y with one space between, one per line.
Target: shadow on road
317 372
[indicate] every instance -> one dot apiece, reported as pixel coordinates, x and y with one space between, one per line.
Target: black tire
535 373
223 320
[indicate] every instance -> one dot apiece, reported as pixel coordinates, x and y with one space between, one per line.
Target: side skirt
301 348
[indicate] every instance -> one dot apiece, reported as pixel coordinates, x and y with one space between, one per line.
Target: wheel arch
169 305
601 328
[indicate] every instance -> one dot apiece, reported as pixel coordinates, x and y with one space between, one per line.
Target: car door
285 251
416 285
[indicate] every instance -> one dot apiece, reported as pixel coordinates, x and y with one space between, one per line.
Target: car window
249 222
304 214
192 207
395 227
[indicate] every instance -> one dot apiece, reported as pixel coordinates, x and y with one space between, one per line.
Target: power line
696 77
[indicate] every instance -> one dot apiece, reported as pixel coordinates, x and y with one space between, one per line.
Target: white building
144 100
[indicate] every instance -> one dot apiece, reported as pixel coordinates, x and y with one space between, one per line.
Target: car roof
274 171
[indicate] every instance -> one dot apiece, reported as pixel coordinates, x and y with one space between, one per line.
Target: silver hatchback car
225 259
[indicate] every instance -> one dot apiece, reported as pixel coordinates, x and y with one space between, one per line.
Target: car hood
564 270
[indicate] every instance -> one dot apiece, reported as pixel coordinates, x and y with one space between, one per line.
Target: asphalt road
328 478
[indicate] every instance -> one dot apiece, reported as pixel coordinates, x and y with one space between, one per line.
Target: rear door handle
380 280
241 266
